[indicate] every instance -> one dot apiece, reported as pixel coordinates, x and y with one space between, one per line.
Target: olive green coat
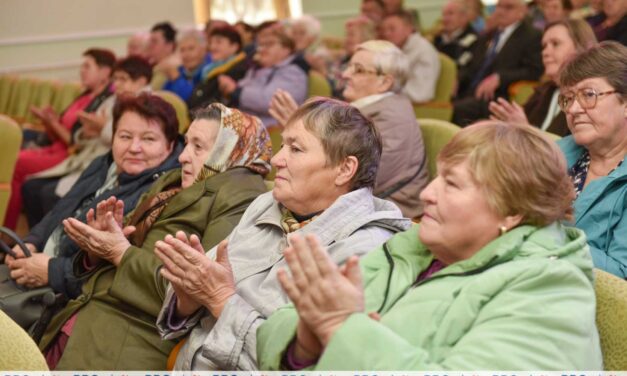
115 327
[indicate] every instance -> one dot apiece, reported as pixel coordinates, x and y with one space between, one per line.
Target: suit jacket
519 59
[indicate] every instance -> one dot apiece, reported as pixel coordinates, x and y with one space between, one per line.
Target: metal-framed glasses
359 69
587 98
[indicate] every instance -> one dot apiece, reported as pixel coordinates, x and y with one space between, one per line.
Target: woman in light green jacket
490 279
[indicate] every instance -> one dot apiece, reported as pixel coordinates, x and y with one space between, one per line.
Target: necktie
487 62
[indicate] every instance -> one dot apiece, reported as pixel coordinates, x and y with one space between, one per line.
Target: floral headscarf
242 141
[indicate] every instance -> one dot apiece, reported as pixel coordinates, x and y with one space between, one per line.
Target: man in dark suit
510 53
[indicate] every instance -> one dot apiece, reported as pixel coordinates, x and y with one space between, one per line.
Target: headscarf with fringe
242 141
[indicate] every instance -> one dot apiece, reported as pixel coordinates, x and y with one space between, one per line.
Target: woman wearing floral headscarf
112 325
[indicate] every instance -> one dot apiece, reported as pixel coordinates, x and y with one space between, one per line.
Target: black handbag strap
6 249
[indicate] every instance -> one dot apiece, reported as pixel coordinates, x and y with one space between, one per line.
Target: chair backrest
446 80
64 95
318 85
611 293
520 91
435 134
440 107
6 88
10 143
43 95
17 349
179 106
20 100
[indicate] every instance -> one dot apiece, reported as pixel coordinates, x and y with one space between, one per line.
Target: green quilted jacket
524 302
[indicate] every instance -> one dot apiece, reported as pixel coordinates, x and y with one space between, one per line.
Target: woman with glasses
560 42
276 68
374 76
594 97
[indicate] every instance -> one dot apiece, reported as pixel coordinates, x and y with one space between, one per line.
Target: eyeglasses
359 69
587 98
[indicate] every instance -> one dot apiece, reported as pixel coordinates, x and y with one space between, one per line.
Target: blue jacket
600 212
79 200
184 84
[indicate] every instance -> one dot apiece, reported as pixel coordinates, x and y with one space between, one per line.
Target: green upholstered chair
10 143
440 107
19 102
179 106
17 349
520 91
65 94
43 95
6 88
318 85
435 134
611 293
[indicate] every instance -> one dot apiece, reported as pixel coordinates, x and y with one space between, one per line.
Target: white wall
45 38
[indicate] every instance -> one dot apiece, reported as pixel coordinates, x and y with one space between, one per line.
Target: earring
502 230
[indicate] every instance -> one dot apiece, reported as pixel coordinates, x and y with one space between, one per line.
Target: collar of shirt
366 101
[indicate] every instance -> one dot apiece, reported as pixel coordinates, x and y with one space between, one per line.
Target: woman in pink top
95 76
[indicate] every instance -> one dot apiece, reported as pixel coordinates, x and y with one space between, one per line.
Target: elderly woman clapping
112 324
594 98
374 76
488 280
325 172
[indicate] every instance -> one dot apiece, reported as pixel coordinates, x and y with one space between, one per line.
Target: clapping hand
324 294
194 276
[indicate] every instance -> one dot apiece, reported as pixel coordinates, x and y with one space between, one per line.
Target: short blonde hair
388 59
521 171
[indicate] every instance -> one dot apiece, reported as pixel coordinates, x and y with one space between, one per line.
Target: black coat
78 201
519 59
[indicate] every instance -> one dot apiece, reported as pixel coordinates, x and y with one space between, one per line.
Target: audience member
305 31
325 171
145 132
357 30
214 24
488 278
137 45
276 70
424 62
373 10
594 98
162 53
247 34
374 78
556 10
560 42
95 75
611 22
512 52
475 15
225 46
393 6
223 164
43 190
457 39
192 48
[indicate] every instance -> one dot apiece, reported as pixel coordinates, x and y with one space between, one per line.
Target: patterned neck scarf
290 224
242 141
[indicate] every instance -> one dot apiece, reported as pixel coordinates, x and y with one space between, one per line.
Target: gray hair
343 131
199 36
310 23
388 59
